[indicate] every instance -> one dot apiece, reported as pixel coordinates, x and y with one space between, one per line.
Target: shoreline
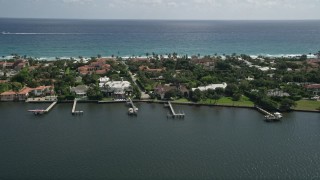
161 102
179 55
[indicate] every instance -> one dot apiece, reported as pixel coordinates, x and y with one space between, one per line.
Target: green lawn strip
244 101
107 99
307 105
182 100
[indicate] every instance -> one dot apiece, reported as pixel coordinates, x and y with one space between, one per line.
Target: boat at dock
273 117
133 111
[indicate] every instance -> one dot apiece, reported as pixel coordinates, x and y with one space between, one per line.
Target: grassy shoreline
307 105
244 102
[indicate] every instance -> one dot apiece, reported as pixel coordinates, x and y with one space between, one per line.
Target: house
313 88
98 67
277 93
16 65
207 63
161 90
140 59
43 90
103 81
80 90
23 94
3 81
117 89
211 86
20 64
147 69
8 96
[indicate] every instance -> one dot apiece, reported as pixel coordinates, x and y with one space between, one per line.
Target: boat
130 111
37 111
273 117
133 111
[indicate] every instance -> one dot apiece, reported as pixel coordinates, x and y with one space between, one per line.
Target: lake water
106 143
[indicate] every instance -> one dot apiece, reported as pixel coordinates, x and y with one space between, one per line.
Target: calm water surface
58 37
211 142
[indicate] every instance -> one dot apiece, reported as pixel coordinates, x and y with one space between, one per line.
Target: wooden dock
73 111
264 111
134 109
270 116
42 111
173 113
51 106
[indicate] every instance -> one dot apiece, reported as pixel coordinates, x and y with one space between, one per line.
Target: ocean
50 38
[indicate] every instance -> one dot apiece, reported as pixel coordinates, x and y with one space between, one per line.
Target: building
16 65
103 81
313 88
98 67
8 96
43 91
117 89
23 94
161 90
140 59
207 63
147 69
277 93
80 91
211 86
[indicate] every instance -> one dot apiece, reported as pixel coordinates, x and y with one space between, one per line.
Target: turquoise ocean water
66 38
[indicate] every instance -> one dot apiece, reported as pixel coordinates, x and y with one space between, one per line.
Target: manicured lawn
307 105
182 100
244 101
107 99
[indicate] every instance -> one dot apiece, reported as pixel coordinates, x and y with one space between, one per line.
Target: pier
173 113
264 111
73 111
270 116
133 109
42 111
51 106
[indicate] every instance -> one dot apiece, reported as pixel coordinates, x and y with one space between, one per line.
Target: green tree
231 89
4 87
196 95
94 93
286 104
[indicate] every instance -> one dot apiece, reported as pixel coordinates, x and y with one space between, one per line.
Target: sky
163 9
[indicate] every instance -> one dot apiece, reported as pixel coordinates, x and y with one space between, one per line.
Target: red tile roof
7 93
313 86
25 90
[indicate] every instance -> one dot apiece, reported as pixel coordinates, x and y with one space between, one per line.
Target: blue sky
162 9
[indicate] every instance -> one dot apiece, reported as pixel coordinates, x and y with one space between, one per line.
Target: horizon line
157 19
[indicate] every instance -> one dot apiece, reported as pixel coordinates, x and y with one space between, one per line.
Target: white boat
130 111
37 111
273 117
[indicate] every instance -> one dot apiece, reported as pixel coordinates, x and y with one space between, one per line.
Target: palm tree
318 54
